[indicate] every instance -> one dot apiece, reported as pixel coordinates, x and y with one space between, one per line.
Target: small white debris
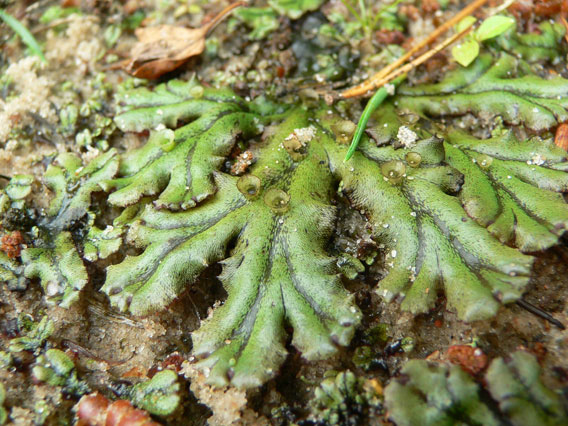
302 135
52 289
393 254
390 89
413 214
406 136
537 160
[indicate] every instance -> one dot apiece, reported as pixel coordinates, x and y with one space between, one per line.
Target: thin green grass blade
24 34
377 99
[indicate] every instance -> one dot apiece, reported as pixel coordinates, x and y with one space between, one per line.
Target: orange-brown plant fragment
471 359
12 244
96 410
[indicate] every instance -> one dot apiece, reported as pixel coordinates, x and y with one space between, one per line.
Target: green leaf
159 395
294 9
262 20
429 241
36 334
436 394
466 22
439 207
20 187
277 274
3 412
56 369
466 52
59 268
179 164
544 45
504 88
73 186
512 187
55 259
57 12
493 27
440 394
23 33
516 385
101 243
11 273
343 397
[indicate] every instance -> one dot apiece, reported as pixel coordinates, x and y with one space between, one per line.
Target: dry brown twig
423 58
391 71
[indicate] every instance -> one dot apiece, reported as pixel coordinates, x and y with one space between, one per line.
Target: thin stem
382 9
364 15
222 15
423 58
351 9
540 313
370 84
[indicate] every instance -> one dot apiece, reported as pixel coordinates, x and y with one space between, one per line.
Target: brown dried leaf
164 48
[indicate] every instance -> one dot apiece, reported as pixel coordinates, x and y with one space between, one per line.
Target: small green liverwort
433 394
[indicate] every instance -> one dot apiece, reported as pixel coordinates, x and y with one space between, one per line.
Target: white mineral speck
390 89
537 160
303 135
52 289
406 136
